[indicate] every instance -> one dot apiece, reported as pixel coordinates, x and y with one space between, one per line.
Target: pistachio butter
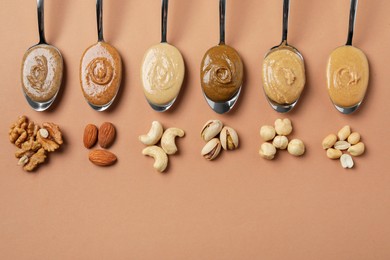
100 73
162 73
283 75
221 73
347 76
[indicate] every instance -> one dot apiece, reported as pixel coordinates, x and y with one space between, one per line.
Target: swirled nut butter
283 75
162 73
221 73
347 76
100 73
42 68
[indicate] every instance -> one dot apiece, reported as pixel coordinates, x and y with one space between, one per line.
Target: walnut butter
347 76
42 68
221 73
162 73
100 73
283 75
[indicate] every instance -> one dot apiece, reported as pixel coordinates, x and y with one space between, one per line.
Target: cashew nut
168 139
160 157
154 134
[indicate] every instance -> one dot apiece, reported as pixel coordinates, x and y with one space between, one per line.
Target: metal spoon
362 57
42 69
168 60
283 108
225 106
100 69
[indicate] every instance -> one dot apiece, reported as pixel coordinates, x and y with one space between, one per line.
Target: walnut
18 131
32 129
31 154
36 159
54 140
29 146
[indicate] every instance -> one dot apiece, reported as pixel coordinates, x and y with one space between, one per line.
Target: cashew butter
162 73
347 76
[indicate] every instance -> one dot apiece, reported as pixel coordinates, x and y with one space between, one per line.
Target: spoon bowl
42 69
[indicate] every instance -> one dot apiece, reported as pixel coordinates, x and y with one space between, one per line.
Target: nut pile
34 142
105 136
344 141
167 142
276 138
227 139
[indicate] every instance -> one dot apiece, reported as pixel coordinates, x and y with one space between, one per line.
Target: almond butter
90 135
106 135
102 157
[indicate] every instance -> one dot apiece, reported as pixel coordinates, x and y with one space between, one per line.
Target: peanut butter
42 69
100 73
347 76
162 73
221 73
283 75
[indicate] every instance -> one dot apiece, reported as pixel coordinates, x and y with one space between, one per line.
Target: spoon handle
41 21
352 16
222 11
164 19
286 8
99 17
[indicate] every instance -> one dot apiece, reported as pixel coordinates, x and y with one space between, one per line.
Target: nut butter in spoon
162 70
100 69
348 72
221 72
283 72
42 69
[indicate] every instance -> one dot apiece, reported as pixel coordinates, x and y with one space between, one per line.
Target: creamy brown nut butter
100 73
42 69
221 73
162 73
347 76
283 75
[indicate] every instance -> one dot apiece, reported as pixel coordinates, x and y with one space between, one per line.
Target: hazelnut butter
283 75
162 73
100 73
42 69
347 76
221 73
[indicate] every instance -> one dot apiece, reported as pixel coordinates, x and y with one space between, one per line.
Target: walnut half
53 141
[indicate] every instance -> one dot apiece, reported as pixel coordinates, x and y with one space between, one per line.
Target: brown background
237 207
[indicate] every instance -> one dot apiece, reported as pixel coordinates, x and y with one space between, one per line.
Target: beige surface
238 207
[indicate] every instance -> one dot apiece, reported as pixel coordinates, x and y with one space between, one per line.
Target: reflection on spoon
283 72
100 69
42 69
221 72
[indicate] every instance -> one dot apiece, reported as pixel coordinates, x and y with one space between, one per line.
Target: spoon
348 72
283 71
100 69
162 70
221 72
42 69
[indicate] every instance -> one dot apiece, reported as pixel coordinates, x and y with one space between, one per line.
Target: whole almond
106 135
102 157
90 135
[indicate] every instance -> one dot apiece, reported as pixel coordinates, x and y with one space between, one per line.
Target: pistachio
267 132
267 151
280 142
333 153
354 138
211 150
344 133
342 145
329 141
357 149
229 138
346 161
211 129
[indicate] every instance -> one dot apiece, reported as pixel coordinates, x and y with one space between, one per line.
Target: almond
102 157
90 135
106 135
